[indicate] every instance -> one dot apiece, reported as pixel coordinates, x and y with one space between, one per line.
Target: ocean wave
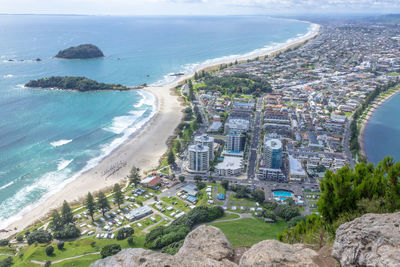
60 142
7 185
121 123
8 76
193 67
53 182
63 164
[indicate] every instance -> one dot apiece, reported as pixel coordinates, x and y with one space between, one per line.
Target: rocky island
83 51
82 84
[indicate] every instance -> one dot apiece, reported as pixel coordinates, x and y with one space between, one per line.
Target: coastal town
255 139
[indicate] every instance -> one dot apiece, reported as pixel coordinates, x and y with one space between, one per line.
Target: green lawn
79 262
247 232
180 206
228 216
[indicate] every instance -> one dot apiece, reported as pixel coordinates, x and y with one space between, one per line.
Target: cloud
195 7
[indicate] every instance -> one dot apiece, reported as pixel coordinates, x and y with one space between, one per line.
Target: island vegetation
83 51
73 83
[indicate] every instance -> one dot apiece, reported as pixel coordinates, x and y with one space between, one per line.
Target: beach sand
143 150
367 117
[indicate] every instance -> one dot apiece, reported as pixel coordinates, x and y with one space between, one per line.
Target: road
252 160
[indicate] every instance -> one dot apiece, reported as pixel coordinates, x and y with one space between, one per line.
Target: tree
49 250
60 245
66 214
40 236
90 205
110 250
57 222
6 262
130 241
4 242
47 264
124 233
20 238
191 93
102 203
181 178
118 197
258 195
225 184
197 178
171 158
134 176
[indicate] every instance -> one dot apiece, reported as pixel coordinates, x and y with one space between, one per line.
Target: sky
197 7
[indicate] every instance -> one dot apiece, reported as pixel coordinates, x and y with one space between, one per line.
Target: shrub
67 231
172 248
130 241
60 245
287 212
292 222
40 236
47 264
110 250
124 233
4 242
20 238
6 262
49 250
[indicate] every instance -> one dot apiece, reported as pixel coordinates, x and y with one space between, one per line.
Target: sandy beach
143 150
368 116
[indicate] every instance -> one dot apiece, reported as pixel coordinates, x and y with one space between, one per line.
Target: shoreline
364 123
150 139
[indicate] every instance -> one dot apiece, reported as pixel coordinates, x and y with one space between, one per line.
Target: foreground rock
83 51
371 240
208 246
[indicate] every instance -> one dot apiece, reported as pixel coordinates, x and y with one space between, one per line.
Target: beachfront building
230 166
274 175
272 153
208 141
235 141
198 158
296 171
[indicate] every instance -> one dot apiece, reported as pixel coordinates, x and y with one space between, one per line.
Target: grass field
248 231
228 216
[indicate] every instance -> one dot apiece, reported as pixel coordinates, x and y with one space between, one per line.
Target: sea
50 137
381 135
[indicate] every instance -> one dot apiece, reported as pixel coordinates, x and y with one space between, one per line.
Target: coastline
364 123
147 145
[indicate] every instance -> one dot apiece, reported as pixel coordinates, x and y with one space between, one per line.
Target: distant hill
82 84
385 19
83 51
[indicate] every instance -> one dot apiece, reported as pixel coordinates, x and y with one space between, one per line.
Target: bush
6 262
4 242
40 236
269 214
110 250
47 264
292 222
130 241
124 233
20 238
172 248
49 250
287 212
60 245
67 231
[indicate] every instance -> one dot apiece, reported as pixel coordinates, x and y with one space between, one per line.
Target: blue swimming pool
282 194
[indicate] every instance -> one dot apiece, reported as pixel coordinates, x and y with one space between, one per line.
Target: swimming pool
282 194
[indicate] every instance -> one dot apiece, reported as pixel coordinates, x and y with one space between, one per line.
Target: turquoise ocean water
382 132
49 137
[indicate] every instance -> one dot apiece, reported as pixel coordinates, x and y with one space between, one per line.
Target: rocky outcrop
371 240
83 51
208 246
274 253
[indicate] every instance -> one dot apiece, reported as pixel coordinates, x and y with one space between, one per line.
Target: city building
230 166
296 171
238 125
272 153
235 141
269 174
199 158
208 141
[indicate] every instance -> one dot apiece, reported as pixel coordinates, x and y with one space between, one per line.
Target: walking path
70 258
